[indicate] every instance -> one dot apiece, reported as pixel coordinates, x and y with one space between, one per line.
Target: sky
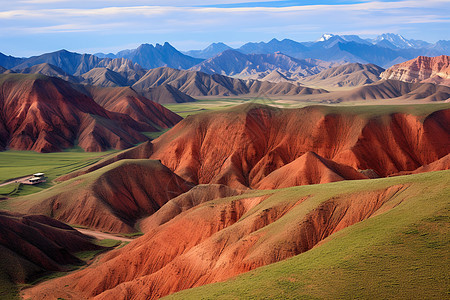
33 27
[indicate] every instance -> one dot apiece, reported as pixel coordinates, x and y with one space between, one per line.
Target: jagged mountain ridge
195 83
257 66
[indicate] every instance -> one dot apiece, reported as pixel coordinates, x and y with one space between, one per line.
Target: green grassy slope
14 164
75 185
399 254
217 104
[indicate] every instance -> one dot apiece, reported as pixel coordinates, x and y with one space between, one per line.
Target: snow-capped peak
325 37
395 39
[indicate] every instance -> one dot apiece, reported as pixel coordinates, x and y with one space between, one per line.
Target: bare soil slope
347 75
421 69
46 114
243 146
32 244
125 100
111 199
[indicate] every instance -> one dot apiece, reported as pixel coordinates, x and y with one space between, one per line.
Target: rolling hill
166 93
103 77
109 199
389 89
348 75
310 145
46 114
355 229
260 139
31 245
126 101
397 253
50 70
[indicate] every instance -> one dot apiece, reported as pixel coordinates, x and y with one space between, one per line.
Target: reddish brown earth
110 199
197 195
230 237
126 101
242 147
264 147
440 164
31 244
309 168
421 69
46 114
250 146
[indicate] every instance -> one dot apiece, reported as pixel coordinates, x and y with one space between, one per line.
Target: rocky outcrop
421 69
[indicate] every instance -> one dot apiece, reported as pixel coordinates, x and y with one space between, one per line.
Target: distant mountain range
385 50
208 52
165 75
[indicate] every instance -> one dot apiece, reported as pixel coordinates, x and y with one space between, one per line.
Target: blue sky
31 27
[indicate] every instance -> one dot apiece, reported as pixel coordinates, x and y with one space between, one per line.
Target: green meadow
16 164
205 104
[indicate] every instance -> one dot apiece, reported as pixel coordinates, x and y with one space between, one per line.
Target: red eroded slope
240 147
421 69
438 165
36 243
309 168
197 195
126 101
230 237
46 114
111 198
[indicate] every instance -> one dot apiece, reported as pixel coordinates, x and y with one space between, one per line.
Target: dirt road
103 236
19 180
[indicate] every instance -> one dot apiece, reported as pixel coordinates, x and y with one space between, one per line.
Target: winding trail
102 235
18 180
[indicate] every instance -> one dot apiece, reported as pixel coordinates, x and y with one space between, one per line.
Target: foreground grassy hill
379 238
399 254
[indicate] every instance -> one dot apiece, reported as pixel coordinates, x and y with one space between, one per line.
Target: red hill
421 69
110 199
32 244
46 114
126 101
215 241
245 145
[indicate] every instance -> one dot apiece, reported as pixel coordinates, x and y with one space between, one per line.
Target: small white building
37 178
34 180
